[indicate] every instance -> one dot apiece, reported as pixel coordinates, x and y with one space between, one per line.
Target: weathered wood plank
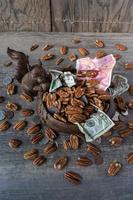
92 16
32 15
19 178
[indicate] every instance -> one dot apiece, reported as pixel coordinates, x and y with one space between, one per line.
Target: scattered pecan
47 47
130 124
116 141
50 134
26 97
39 160
66 144
37 138
31 154
131 90
129 66
14 143
63 50
129 158
12 106
25 112
121 47
99 43
50 148
33 47
114 168
60 162
20 125
46 57
74 142
11 89
100 54
126 132
94 150
83 51
72 57
83 161
4 126
72 177
33 129
59 60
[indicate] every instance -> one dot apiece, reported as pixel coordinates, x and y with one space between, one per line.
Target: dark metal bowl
59 126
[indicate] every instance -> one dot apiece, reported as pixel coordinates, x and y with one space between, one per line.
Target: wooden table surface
19 179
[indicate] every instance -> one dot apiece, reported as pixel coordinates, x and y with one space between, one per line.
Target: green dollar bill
98 124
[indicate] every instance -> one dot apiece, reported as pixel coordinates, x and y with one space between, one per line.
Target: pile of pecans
75 104
69 105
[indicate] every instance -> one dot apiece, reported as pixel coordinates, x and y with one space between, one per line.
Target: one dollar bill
98 124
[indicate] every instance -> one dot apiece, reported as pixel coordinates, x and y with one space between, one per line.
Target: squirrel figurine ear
22 66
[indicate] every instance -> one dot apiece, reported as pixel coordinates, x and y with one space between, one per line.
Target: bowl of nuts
60 110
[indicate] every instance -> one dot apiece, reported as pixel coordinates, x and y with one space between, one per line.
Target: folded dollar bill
119 85
98 124
61 79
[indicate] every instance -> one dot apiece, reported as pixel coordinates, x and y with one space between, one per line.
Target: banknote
98 124
61 79
103 66
119 85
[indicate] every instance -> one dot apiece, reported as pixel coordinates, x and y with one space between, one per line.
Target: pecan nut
26 97
59 60
50 148
25 112
11 89
83 51
74 141
50 134
83 161
33 129
61 162
129 66
131 90
126 132
46 57
130 124
34 47
72 57
31 154
63 50
116 141
94 150
19 125
37 138
12 106
4 126
114 168
129 158
100 54
121 47
14 143
72 177
39 160
119 125
47 47
99 43
66 144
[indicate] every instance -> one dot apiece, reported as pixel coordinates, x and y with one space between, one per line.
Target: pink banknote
104 66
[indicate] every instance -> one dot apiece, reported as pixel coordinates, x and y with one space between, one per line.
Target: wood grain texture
19 178
92 15
31 15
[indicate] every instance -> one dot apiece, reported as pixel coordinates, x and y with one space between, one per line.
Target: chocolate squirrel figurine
33 78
